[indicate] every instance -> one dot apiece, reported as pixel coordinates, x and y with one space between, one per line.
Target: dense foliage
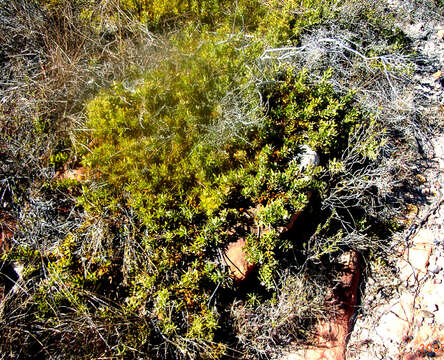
153 147
196 147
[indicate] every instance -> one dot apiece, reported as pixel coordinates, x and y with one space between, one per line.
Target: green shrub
283 21
153 151
198 150
163 11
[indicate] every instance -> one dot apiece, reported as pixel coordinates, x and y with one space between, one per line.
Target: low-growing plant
152 150
193 139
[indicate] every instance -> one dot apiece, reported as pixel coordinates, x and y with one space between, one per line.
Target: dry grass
266 329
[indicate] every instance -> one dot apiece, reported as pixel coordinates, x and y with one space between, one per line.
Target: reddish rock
235 258
411 356
425 309
395 324
431 294
5 235
392 327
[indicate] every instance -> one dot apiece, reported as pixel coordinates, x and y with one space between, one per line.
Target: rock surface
235 258
411 324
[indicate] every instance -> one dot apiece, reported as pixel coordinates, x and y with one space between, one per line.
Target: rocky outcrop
409 325
235 258
294 217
